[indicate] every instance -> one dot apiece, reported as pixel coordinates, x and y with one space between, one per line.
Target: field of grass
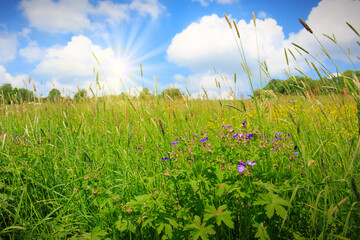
158 168
183 169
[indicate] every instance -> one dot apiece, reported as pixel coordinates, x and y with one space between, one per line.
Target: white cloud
57 17
15 81
321 22
147 7
8 45
32 53
73 60
226 1
219 86
69 16
72 66
209 42
115 12
206 2
262 15
179 78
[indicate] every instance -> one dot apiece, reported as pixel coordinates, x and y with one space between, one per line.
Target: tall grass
106 168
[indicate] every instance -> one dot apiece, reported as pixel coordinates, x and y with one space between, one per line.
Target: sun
118 67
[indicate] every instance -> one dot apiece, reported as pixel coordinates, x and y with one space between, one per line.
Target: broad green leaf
280 210
160 228
168 230
173 222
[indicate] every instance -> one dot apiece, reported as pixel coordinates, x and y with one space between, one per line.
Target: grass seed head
305 26
253 15
228 21
237 30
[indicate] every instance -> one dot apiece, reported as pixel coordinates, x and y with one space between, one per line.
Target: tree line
9 95
334 84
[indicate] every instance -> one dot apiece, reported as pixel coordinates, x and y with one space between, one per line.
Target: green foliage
81 94
199 230
297 84
220 215
173 93
285 168
54 94
94 170
15 95
145 94
96 234
273 203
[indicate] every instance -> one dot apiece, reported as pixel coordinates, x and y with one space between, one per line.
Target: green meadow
160 167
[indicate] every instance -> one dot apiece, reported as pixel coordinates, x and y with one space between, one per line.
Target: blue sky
177 42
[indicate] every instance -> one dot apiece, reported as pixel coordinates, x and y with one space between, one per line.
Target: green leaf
198 229
280 210
96 234
220 214
173 222
269 211
273 202
261 232
168 230
160 228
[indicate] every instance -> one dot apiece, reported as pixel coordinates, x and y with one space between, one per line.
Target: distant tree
24 94
171 92
275 85
80 94
145 93
5 91
54 94
122 96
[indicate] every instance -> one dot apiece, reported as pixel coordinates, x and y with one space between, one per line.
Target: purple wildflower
244 124
249 136
266 136
235 135
226 126
278 138
288 135
272 140
16 135
251 163
174 143
165 158
279 133
204 140
139 147
296 153
241 167
295 147
241 135
232 130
